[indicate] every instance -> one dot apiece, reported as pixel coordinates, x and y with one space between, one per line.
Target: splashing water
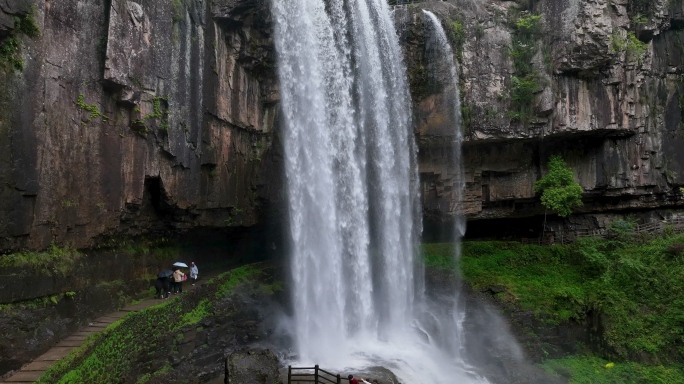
354 212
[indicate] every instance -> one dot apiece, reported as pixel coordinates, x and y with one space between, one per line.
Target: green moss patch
54 259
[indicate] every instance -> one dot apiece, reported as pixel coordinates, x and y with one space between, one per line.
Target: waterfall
444 71
352 186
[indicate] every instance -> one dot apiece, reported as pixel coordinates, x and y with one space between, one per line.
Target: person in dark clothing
162 287
352 380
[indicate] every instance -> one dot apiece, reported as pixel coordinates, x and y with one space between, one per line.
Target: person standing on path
193 272
352 380
162 287
178 279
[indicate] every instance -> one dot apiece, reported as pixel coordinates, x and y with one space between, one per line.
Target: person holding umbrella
162 285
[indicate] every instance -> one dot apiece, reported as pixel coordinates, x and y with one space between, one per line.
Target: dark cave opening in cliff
505 228
156 196
438 231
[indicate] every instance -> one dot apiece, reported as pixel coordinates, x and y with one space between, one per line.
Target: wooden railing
676 225
313 375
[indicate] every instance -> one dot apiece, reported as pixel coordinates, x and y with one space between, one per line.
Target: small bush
560 192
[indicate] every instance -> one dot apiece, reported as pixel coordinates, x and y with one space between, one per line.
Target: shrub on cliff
560 192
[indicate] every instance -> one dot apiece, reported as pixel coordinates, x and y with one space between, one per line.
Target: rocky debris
252 366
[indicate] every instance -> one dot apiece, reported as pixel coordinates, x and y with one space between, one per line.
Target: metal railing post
289 374
316 374
339 379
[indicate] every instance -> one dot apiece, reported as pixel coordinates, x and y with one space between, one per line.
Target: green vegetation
457 36
635 284
41 302
234 278
159 248
112 354
526 81
639 19
27 24
200 312
149 376
92 108
159 111
560 192
10 47
593 370
53 260
10 51
628 43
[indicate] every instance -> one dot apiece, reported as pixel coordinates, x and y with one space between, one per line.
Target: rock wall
135 117
607 98
145 117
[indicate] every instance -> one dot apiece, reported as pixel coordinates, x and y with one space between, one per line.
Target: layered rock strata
606 96
136 117
130 118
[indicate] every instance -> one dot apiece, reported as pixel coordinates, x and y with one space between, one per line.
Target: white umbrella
179 264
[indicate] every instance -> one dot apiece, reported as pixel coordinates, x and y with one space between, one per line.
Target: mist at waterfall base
354 211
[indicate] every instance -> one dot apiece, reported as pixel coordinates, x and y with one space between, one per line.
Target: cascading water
350 160
444 71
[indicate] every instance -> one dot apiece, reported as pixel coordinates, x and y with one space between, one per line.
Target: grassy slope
109 355
637 286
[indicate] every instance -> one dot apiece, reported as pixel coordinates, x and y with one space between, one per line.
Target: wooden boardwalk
33 371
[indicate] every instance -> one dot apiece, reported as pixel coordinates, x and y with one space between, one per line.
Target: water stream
352 184
444 71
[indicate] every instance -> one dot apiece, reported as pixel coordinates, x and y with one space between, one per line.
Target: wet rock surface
254 366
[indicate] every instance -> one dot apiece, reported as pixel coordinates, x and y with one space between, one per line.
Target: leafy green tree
560 192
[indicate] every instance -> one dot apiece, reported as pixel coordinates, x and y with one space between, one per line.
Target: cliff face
598 82
126 118
134 117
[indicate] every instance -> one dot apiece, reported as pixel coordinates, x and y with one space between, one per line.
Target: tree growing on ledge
560 192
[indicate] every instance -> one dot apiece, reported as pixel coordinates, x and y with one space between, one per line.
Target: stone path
34 370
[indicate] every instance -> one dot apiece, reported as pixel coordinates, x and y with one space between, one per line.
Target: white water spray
445 71
350 160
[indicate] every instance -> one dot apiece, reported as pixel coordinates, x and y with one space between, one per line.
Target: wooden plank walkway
34 370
